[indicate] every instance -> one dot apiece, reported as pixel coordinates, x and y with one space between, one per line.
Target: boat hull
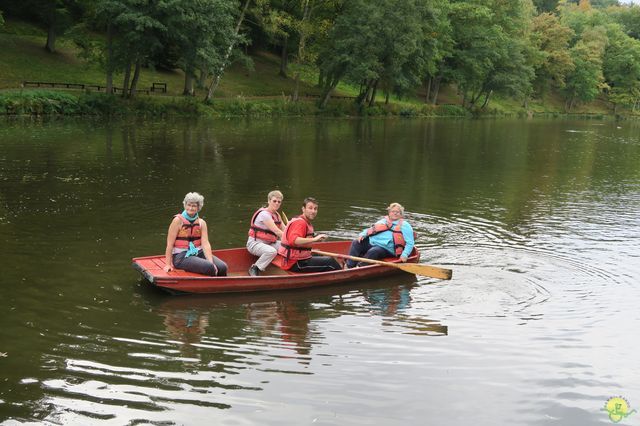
238 280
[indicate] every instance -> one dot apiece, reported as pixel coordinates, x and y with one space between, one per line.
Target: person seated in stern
294 253
265 231
188 246
390 236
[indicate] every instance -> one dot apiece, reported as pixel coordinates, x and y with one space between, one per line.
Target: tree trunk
427 88
386 98
363 97
367 93
321 78
109 83
476 97
284 57
202 79
218 75
373 94
297 87
188 84
127 77
134 81
486 99
331 84
436 89
51 37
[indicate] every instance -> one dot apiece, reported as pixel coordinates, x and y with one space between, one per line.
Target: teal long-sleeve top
385 239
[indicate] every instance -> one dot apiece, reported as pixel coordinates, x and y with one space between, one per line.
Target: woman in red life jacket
390 236
188 246
294 253
265 231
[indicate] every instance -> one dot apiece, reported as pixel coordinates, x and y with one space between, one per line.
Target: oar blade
425 270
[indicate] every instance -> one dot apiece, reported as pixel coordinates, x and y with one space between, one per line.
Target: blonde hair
193 197
275 194
396 205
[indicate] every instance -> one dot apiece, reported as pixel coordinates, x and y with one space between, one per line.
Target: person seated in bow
294 253
391 236
264 233
188 246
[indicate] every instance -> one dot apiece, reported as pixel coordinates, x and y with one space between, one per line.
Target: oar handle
358 259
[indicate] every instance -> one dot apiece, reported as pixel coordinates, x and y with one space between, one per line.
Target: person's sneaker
254 271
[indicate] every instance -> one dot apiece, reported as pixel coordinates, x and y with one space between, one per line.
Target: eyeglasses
395 211
275 200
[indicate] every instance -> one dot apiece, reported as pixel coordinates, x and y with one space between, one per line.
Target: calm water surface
540 221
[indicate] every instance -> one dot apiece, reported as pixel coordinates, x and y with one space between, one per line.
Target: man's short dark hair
309 200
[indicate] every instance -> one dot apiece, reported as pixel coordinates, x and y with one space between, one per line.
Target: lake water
539 219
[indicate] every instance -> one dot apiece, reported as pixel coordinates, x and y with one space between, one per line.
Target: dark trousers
200 265
316 264
365 249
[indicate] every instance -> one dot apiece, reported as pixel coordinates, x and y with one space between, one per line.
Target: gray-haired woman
188 246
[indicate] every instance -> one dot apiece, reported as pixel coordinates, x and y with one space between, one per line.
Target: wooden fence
155 87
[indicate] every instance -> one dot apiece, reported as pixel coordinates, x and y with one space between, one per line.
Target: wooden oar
285 219
412 268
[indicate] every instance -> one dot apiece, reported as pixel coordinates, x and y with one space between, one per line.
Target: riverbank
41 102
257 91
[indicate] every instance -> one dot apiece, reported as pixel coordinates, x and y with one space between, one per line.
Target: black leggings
316 264
200 265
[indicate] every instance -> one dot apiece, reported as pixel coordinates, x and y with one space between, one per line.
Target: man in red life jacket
294 253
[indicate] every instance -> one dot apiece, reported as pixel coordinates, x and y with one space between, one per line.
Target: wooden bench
159 87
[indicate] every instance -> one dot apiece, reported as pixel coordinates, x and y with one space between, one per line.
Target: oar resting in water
412 268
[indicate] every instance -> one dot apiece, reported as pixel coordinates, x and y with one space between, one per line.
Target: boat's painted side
238 281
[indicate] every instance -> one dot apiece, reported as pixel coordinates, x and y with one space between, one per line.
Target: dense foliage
517 48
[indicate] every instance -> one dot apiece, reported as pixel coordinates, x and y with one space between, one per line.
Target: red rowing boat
274 278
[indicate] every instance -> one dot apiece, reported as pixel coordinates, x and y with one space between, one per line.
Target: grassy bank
258 91
50 102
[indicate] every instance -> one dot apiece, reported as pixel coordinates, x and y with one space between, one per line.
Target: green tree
492 50
621 66
234 37
587 79
629 17
543 6
551 39
56 16
279 19
135 29
435 44
365 47
201 30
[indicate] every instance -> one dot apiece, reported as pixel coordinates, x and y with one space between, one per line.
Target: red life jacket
263 233
190 232
398 239
287 248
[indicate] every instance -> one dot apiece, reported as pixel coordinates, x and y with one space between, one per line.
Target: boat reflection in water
288 320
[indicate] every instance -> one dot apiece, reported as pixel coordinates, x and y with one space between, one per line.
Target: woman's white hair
396 205
275 194
193 197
